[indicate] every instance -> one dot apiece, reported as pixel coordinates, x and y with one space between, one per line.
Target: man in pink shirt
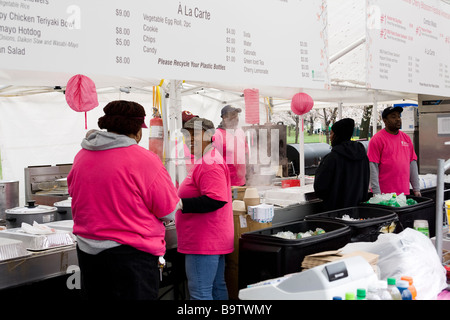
393 161
229 140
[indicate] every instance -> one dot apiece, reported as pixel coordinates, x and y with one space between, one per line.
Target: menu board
408 46
261 42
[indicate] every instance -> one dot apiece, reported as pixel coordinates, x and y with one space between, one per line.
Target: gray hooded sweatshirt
97 141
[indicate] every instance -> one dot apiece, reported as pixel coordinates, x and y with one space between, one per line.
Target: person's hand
417 193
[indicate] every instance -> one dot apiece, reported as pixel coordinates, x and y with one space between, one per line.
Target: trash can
366 223
262 255
425 209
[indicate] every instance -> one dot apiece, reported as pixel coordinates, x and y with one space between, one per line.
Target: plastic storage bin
425 209
430 193
264 256
374 221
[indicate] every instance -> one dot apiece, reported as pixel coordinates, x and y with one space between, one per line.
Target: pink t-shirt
119 194
394 154
212 232
231 143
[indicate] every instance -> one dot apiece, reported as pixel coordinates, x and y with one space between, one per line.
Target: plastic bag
36 228
392 200
409 253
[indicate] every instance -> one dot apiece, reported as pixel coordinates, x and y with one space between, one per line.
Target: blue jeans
206 277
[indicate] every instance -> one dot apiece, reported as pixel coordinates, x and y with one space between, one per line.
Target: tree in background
365 122
329 117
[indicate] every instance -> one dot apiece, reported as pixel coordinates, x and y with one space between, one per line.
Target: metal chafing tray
170 235
39 242
11 249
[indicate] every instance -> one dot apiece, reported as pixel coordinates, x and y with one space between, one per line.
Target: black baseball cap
229 108
391 109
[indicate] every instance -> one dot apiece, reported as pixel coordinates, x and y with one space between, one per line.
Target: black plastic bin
425 209
264 256
431 192
373 221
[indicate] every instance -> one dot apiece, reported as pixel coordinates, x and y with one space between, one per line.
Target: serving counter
49 274
48 270
37 266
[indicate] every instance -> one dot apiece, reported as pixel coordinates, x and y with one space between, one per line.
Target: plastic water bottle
402 286
360 294
393 290
383 291
372 292
411 287
349 296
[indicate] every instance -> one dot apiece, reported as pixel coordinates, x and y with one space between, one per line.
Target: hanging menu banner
408 46
262 42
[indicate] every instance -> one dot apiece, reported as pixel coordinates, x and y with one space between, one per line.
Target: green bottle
350 296
361 294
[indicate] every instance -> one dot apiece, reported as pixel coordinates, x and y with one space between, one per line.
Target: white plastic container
422 226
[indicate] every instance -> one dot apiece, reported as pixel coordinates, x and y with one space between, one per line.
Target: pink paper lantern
301 103
251 97
81 94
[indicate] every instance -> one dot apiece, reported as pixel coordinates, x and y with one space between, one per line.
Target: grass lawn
315 138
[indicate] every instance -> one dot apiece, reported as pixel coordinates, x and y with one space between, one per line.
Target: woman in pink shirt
121 194
393 161
205 229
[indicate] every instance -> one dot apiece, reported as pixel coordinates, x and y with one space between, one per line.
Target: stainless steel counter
50 263
37 266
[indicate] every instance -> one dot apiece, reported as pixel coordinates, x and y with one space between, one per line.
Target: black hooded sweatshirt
342 178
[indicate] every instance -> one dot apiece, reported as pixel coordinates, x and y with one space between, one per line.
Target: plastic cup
422 226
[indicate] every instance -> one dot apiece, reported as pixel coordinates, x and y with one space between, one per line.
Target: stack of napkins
36 228
320 258
262 213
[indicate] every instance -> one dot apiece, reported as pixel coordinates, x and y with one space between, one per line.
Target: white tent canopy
346 38
38 128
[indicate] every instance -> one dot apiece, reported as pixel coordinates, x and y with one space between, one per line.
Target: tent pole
346 50
302 152
176 165
442 167
375 114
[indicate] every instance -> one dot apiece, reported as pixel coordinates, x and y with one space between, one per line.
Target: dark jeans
122 272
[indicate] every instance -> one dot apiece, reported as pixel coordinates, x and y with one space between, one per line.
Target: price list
230 45
189 40
408 46
304 59
122 33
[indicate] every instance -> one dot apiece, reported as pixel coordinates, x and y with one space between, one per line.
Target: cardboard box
237 193
317 259
242 223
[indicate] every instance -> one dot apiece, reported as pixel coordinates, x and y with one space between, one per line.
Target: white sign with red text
408 46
